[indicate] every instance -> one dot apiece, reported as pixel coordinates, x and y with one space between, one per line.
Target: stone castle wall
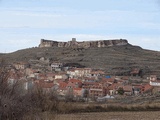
48 43
84 44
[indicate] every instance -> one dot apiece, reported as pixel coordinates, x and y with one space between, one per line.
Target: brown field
111 116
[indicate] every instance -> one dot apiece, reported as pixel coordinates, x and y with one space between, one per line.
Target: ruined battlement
48 43
85 44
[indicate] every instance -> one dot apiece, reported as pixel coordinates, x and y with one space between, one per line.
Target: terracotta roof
90 83
114 86
147 87
127 88
60 74
90 78
42 75
46 85
125 78
77 89
62 84
74 80
108 79
137 86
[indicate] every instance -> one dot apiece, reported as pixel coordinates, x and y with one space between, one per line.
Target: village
80 84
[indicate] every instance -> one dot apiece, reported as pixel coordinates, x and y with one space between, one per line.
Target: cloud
65 18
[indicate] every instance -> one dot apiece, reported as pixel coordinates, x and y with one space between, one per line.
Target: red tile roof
77 89
125 78
62 84
97 72
127 88
90 83
114 86
46 85
108 79
147 87
74 80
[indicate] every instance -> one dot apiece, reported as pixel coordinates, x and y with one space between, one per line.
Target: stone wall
48 43
84 44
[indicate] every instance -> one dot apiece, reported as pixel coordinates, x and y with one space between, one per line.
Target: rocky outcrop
84 44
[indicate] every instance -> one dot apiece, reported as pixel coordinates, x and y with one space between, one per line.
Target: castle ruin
85 44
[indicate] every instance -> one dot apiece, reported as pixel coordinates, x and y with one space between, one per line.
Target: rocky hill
114 59
85 44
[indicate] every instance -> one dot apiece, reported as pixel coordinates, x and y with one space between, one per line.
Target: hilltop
85 44
114 59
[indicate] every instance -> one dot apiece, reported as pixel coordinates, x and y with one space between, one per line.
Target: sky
24 22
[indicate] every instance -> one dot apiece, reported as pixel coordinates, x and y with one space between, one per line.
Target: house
28 84
71 85
42 76
79 72
71 73
97 91
50 76
88 85
147 89
44 60
96 73
82 72
13 76
32 73
56 66
77 92
124 80
62 88
89 79
61 76
154 81
153 77
47 86
110 80
128 90
21 65
29 71
135 72
113 88
74 83
137 88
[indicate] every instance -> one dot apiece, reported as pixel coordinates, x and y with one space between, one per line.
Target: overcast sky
24 22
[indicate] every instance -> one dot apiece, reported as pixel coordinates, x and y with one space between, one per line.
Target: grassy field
111 116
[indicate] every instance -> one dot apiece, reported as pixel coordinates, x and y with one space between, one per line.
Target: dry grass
111 116
109 58
69 108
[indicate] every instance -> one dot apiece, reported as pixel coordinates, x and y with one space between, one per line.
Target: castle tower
73 39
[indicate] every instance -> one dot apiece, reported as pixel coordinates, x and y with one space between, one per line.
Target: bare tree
14 105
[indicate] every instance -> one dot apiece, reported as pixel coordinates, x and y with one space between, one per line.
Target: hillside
114 58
